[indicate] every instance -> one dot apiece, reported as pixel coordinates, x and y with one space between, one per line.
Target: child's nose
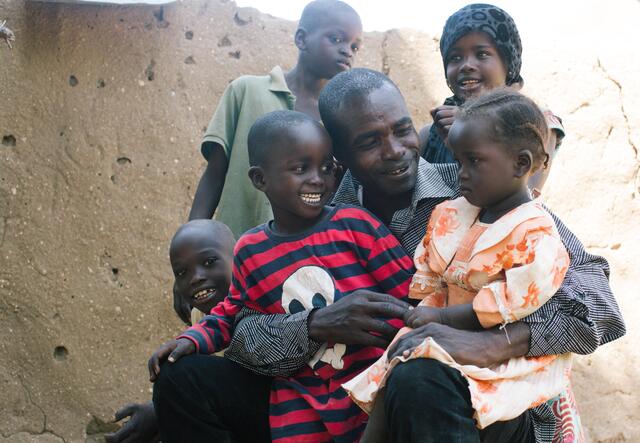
346 50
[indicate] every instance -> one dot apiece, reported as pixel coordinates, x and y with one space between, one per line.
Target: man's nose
394 150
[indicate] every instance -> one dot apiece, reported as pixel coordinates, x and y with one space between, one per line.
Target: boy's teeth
202 294
311 198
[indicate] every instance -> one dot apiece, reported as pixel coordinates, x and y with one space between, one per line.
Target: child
490 257
481 51
328 38
310 255
201 256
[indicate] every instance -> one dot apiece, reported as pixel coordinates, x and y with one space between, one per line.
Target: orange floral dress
506 270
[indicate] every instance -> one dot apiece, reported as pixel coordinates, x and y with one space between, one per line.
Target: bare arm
211 184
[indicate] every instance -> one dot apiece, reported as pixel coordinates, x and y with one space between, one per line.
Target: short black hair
345 88
316 13
218 230
516 120
273 128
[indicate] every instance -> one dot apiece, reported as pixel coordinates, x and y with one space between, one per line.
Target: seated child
201 256
310 255
490 257
481 50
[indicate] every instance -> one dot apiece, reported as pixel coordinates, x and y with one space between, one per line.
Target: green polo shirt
247 98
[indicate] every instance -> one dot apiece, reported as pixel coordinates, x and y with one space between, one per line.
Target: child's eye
180 272
336 39
299 169
355 48
210 261
483 54
454 59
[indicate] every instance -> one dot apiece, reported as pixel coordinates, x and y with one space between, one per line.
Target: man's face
379 143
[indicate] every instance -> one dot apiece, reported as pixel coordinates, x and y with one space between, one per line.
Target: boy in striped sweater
310 255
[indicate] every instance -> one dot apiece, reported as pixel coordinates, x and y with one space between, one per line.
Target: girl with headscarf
481 50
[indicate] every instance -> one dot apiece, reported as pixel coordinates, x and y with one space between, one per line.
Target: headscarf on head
494 22
498 25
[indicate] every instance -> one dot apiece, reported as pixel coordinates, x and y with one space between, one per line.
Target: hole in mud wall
149 72
115 271
60 353
73 80
241 19
189 60
123 160
8 140
188 35
100 83
224 42
235 54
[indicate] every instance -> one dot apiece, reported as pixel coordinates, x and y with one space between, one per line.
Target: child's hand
142 425
443 118
422 315
173 349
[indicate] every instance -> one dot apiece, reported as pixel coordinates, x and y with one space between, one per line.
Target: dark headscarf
498 25
494 22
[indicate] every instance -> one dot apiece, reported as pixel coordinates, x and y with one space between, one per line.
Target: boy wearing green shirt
328 38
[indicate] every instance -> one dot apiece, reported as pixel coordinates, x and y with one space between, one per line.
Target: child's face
331 47
487 174
201 263
300 177
474 66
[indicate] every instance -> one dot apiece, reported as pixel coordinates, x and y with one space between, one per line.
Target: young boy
328 38
310 255
201 257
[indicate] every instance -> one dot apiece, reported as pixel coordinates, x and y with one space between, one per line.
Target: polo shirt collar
277 82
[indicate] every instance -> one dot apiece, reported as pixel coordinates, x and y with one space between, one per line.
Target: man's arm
281 344
211 183
583 314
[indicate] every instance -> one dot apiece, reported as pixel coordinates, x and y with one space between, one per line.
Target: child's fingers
125 411
184 347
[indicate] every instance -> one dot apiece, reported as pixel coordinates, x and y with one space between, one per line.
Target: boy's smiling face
332 45
298 177
201 258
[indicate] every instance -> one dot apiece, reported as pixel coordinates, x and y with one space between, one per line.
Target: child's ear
300 39
256 174
524 163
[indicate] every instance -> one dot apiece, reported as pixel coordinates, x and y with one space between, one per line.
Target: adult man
375 139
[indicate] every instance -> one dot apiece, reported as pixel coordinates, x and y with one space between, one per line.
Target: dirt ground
101 113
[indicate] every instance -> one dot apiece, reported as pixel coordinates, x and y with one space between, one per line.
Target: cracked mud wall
101 113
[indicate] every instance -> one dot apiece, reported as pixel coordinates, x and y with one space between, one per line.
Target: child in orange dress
488 258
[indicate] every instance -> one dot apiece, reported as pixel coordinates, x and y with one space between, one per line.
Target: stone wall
101 113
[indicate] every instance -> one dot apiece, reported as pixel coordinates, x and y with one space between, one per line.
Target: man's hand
141 427
443 118
357 319
173 349
422 315
182 308
479 348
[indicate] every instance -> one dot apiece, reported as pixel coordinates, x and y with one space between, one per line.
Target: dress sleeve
534 266
584 313
427 285
222 127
